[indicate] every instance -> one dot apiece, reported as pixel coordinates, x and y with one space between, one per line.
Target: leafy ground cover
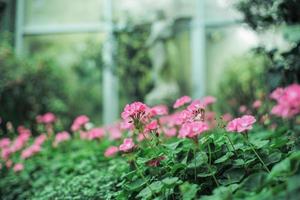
189 153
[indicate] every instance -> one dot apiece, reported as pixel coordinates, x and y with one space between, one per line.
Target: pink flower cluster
47 118
241 124
79 122
288 101
94 133
34 148
127 145
111 151
181 101
192 129
135 113
61 137
18 167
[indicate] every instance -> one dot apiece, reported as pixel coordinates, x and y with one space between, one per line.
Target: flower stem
252 148
142 176
231 143
209 166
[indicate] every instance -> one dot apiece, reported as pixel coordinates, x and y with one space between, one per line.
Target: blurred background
92 57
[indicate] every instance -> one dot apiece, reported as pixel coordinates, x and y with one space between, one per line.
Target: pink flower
40 139
142 136
243 109
152 126
192 129
47 118
18 167
60 137
241 124
111 151
181 101
159 110
127 145
114 132
197 110
4 142
79 122
5 153
288 101
227 117
170 132
96 133
277 93
8 163
208 100
155 162
135 111
256 104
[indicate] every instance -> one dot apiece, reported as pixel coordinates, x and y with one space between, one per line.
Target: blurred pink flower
8 163
96 133
159 110
114 132
79 122
208 100
151 126
256 104
181 101
47 118
288 101
192 129
18 167
111 151
40 139
5 153
170 132
60 137
277 93
243 109
241 124
227 117
127 145
4 142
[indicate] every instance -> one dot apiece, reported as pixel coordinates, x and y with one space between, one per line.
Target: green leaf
135 185
154 187
259 143
173 145
201 158
273 158
222 193
207 171
188 190
170 181
254 181
232 175
224 158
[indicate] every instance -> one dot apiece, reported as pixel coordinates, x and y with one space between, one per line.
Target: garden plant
153 153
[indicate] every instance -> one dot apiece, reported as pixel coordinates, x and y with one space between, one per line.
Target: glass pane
43 12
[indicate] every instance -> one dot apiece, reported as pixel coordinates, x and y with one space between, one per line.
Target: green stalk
142 176
252 148
209 166
231 143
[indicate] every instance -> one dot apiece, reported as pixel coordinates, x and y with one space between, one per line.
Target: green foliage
133 63
243 82
31 86
284 66
264 13
211 169
35 85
